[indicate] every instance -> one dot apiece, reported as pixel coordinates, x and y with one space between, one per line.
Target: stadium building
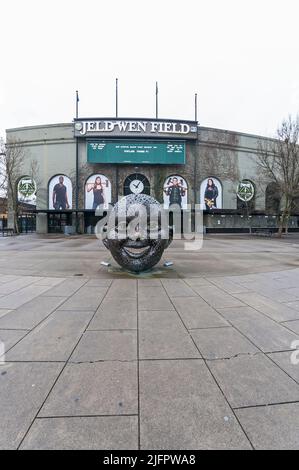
91 161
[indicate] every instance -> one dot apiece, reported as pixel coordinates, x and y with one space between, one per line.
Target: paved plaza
197 355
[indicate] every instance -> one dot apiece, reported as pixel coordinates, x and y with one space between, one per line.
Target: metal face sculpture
136 238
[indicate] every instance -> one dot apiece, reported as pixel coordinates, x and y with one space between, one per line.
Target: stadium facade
95 160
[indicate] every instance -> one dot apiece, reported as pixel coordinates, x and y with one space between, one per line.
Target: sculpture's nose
137 235
138 232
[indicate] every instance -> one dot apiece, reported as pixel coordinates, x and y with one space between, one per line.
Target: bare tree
13 157
278 162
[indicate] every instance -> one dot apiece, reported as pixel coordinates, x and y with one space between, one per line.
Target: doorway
57 221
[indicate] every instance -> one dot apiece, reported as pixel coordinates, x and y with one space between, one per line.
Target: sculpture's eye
153 226
121 226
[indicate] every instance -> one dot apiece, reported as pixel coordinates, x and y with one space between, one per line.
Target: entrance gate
27 223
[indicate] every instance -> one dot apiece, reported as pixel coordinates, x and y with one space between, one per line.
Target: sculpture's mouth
136 252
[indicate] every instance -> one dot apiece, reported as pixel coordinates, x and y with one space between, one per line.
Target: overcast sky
240 56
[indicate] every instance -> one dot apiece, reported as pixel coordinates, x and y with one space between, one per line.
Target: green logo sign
26 190
245 190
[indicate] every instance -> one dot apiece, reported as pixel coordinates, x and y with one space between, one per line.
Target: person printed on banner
59 196
211 194
98 192
175 190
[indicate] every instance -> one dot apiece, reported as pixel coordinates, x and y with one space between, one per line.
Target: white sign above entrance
131 127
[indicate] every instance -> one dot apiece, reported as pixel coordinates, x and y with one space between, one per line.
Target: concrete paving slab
270 288
17 284
181 407
153 298
188 408
276 310
216 297
102 388
272 427
253 380
115 313
117 345
10 337
86 298
23 388
229 286
4 311
277 295
292 325
50 281
54 339
293 291
197 281
220 343
265 333
234 313
98 283
163 336
22 296
7 278
282 280
30 314
66 288
82 433
123 288
149 282
177 288
284 361
196 313
293 305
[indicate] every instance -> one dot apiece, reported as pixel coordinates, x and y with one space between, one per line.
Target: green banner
124 151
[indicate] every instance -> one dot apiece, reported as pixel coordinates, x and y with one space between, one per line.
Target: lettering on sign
127 127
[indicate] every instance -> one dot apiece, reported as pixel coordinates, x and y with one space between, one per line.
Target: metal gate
27 223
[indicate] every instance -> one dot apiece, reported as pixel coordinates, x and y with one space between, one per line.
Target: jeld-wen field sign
172 152
132 128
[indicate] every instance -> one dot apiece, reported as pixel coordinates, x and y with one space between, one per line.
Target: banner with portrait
60 193
211 194
27 191
97 192
175 191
